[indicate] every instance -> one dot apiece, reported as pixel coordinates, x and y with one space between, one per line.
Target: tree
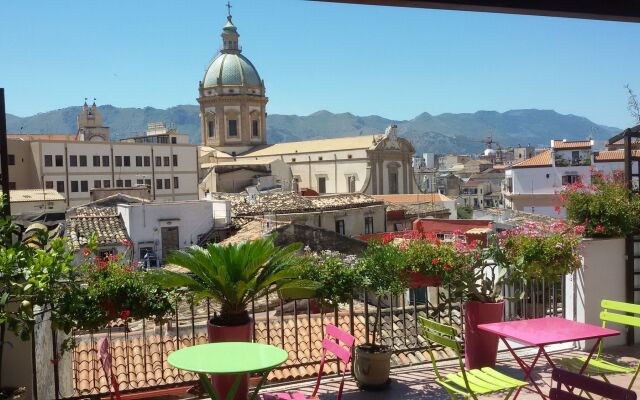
632 104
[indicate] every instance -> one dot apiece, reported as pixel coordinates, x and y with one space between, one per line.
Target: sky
393 62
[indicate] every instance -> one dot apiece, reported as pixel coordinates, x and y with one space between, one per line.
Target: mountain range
443 133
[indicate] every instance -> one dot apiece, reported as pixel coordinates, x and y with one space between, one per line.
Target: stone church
235 151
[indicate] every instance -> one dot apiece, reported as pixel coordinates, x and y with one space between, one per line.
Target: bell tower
90 127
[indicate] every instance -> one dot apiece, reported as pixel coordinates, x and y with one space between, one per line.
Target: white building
533 185
74 165
161 228
36 201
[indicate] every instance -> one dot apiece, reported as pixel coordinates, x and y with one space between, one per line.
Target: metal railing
140 348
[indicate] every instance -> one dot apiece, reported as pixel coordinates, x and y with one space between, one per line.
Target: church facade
233 117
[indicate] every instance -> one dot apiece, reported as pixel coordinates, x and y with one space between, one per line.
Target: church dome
231 69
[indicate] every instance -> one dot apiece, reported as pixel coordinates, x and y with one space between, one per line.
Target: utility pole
4 158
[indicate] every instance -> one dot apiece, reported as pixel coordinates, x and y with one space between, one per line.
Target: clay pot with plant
381 269
232 276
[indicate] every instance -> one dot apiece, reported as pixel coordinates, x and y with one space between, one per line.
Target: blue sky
343 58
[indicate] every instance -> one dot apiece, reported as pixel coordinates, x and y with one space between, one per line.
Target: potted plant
428 261
381 266
232 276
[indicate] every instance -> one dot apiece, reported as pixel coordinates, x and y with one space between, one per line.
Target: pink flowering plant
539 251
606 208
429 255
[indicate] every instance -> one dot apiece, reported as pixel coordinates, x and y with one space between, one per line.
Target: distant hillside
429 133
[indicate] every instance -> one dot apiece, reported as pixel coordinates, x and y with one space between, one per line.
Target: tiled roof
140 363
28 195
290 202
513 217
571 144
311 146
105 222
542 159
58 137
423 208
412 198
614 155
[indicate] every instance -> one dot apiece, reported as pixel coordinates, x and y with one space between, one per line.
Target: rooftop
613 155
542 159
571 144
313 146
412 198
105 222
30 195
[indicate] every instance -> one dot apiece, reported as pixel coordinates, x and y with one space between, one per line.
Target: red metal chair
104 354
337 342
586 384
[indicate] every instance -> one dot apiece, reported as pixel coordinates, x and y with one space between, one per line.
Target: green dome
231 69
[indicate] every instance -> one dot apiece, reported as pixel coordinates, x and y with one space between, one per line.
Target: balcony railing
140 348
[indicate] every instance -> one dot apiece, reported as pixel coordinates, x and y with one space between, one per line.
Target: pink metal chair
337 342
586 384
104 354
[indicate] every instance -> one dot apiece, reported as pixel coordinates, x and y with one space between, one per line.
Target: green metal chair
612 311
467 384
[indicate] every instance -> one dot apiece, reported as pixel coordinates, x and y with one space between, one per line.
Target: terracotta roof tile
106 223
542 159
571 144
613 155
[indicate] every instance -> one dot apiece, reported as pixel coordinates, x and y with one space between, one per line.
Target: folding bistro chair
337 342
574 381
467 384
104 354
612 311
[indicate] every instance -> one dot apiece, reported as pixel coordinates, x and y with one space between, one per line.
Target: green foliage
433 257
381 267
233 275
338 276
464 212
605 209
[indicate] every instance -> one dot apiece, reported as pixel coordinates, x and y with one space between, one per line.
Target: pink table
541 332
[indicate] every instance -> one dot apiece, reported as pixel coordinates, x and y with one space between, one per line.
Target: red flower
126 243
86 251
557 209
599 228
435 261
446 267
125 314
102 265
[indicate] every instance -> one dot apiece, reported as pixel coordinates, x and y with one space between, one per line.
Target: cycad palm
233 275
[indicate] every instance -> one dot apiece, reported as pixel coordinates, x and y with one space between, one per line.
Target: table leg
254 396
528 370
206 384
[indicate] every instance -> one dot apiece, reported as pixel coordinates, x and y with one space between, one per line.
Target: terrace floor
417 382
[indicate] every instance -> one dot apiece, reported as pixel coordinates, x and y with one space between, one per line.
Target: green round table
228 358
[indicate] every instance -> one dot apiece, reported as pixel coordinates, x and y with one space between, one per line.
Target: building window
233 127
60 186
84 186
147 182
48 185
127 183
96 161
368 225
322 185
106 184
105 161
158 183
175 160
211 128
176 184
255 131
158 161
59 161
73 161
293 159
351 184
340 226
147 161
167 183
166 161
349 156
126 161
83 161
174 140
139 182
570 179
320 158
74 186
118 161
97 184
48 160
11 159
119 183
138 161
393 182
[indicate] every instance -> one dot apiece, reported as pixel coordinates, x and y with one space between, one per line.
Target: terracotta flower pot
238 333
480 347
420 280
